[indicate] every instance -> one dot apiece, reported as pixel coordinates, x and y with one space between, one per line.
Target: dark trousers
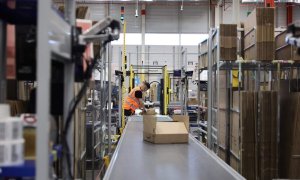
127 112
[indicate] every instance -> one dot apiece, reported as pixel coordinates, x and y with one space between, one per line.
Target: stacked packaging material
11 138
283 50
228 42
253 135
259 35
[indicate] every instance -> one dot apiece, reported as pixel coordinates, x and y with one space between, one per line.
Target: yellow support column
106 161
124 75
131 77
169 88
165 75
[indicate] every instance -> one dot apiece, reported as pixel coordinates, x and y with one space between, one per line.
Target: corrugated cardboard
244 140
268 135
283 50
150 111
222 128
289 133
228 42
259 43
222 154
175 131
192 101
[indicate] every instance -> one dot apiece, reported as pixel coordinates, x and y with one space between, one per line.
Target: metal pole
94 116
181 83
217 76
120 89
43 92
143 48
258 124
173 70
2 61
108 55
148 63
199 88
209 90
236 12
69 71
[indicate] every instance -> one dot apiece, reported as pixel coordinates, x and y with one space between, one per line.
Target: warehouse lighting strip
162 39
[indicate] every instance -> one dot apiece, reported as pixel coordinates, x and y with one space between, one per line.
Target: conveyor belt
135 159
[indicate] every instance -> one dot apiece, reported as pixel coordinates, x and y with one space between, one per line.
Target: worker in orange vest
134 99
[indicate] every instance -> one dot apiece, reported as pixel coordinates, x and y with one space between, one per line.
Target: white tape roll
12 153
4 111
11 129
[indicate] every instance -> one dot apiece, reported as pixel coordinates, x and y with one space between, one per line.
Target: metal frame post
258 123
198 87
108 55
94 116
217 77
69 71
181 84
209 89
43 92
2 61
120 90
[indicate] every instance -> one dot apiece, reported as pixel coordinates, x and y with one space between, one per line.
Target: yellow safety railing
131 78
166 89
124 75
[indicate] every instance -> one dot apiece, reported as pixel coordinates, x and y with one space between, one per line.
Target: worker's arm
142 106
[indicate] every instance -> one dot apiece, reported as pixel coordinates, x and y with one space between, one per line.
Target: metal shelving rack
261 69
202 123
60 50
99 116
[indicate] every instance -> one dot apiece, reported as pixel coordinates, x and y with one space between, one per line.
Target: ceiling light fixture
181 7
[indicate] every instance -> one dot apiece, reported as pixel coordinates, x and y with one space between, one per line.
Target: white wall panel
227 13
281 20
194 19
161 19
296 12
96 12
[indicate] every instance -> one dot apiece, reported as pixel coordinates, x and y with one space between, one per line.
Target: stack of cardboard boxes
228 42
253 134
289 161
259 35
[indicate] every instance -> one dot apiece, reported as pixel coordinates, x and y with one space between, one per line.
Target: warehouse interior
149 89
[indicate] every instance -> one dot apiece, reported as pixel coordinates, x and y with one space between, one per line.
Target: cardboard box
192 101
259 35
176 131
150 111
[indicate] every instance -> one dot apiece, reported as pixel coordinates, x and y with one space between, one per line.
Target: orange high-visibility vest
131 102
